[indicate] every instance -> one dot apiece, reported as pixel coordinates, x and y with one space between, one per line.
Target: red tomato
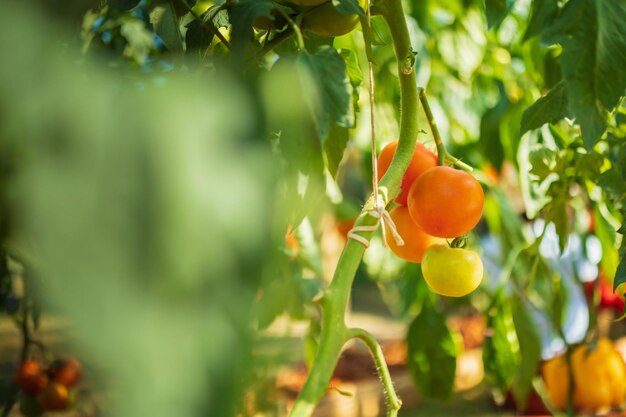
55 397
31 378
416 241
446 202
422 160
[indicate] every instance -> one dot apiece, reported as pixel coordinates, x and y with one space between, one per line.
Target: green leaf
542 14
348 7
500 352
610 79
557 214
165 23
592 61
334 147
124 5
529 341
197 36
548 109
432 353
496 11
140 40
620 276
543 161
333 87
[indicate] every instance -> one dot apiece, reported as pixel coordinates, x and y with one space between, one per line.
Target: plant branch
442 152
210 27
393 402
334 332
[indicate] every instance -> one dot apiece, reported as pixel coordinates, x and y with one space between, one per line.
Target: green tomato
450 271
325 20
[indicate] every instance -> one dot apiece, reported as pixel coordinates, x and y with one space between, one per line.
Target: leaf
548 109
432 353
592 61
334 147
529 341
197 36
496 11
348 7
500 353
543 161
163 19
620 275
124 5
333 87
542 14
557 214
140 40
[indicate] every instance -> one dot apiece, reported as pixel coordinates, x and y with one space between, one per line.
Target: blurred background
172 199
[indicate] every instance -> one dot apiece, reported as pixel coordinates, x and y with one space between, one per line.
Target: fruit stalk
334 303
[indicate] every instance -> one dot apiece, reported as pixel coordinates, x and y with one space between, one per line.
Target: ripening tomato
325 20
415 240
66 371
31 378
446 202
452 272
55 397
422 160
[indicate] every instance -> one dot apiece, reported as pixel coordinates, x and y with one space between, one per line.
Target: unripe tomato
308 2
415 240
67 371
55 397
599 377
422 160
446 202
450 271
325 20
31 378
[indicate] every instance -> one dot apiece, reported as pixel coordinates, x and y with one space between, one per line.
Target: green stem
442 153
334 332
393 402
294 27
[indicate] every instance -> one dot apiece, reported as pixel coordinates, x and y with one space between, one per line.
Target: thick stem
392 400
335 301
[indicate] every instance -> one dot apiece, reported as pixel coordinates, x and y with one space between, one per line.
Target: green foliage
530 350
500 349
432 353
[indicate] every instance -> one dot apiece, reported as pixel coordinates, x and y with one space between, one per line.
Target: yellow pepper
599 377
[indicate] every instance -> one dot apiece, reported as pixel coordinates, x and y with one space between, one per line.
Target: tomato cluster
47 388
436 202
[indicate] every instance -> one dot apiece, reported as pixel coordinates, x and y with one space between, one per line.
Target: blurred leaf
163 19
543 161
496 11
123 4
610 77
607 236
529 341
620 275
334 147
548 109
432 353
348 7
543 13
557 214
500 352
139 40
328 71
197 36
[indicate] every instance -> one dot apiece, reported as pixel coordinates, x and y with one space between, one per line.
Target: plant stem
393 402
442 153
294 27
334 332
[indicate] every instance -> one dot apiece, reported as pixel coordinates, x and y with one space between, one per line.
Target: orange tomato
67 371
446 202
416 241
422 160
31 378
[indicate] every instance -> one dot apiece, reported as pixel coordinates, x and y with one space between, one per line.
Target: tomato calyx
458 242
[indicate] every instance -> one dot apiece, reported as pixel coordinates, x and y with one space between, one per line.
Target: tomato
599 377
608 299
66 371
308 2
415 240
55 397
450 271
422 160
31 378
325 20
446 202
